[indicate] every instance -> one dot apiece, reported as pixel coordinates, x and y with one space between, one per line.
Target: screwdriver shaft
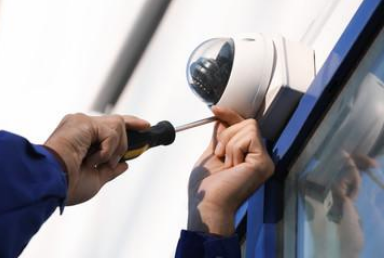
195 124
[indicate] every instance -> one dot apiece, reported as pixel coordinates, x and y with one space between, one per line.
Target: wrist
67 157
210 219
58 158
63 152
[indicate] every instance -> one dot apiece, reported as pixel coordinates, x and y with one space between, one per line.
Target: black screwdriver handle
162 133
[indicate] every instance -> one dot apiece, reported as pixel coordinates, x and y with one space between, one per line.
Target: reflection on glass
340 173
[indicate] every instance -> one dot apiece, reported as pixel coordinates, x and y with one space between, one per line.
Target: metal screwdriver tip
196 123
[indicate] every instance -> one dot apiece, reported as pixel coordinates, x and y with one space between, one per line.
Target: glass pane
339 176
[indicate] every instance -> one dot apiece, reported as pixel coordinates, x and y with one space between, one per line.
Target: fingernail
219 149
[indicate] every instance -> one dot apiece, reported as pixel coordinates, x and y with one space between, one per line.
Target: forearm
32 186
209 219
210 233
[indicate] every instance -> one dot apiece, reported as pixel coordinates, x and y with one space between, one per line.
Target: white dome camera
258 77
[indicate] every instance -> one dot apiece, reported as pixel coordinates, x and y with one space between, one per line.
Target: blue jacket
33 185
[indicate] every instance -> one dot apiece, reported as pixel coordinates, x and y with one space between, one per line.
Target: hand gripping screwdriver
163 133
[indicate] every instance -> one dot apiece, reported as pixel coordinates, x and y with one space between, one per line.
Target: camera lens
209 69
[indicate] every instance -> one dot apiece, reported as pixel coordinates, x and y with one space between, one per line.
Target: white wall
55 55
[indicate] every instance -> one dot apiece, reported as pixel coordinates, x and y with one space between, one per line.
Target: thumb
226 115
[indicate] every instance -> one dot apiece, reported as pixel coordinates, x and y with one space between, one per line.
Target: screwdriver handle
162 133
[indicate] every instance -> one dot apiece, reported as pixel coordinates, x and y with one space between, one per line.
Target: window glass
336 209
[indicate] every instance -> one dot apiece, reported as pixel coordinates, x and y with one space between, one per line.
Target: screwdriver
163 133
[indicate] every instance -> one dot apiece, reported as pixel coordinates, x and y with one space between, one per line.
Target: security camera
259 77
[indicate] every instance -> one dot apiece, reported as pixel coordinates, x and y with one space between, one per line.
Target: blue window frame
263 224
334 190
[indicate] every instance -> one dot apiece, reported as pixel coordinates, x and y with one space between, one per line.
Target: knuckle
80 120
106 154
237 146
267 168
70 117
79 116
250 122
116 121
263 166
130 117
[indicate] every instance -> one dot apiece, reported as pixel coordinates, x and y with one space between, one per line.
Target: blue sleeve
32 185
200 245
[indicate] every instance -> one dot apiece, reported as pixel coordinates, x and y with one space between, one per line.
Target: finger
364 162
227 115
108 140
354 180
229 133
122 144
242 143
209 151
239 146
232 152
135 123
228 160
224 137
226 118
117 123
217 129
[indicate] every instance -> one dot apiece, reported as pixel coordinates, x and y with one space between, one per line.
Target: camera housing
257 76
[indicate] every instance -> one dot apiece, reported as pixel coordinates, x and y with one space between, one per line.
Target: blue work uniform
33 184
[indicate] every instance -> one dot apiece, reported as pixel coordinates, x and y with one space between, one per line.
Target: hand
347 188
234 165
91 148
349 180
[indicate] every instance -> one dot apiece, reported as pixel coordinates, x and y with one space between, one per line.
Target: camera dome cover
209 68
